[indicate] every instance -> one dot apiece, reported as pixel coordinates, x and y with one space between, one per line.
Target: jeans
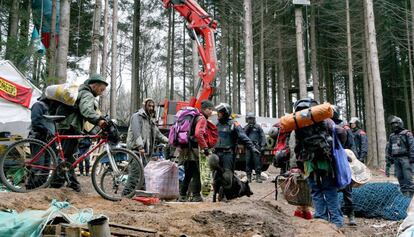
253 162
325 199
404 174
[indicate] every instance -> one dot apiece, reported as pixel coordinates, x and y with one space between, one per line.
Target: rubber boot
258 178
351 218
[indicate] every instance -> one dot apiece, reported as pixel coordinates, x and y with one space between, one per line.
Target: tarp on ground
14 117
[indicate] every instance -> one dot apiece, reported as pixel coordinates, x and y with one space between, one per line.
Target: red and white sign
15 93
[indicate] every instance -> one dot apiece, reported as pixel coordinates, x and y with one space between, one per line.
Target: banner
15 93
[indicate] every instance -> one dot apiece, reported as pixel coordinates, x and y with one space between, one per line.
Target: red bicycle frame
58 139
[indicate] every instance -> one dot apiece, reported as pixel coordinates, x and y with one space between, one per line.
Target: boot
182 198
258 178
249 178
196 198
351 218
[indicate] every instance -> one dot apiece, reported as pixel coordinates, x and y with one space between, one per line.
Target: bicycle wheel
27 165
114 186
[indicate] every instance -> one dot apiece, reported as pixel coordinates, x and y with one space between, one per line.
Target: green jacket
85 110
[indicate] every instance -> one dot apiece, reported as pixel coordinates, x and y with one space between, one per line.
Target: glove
387 171
254 150
206 152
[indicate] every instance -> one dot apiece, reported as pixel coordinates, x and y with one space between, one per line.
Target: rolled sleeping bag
306 117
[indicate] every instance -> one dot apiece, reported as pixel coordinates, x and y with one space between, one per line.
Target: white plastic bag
162 177
65 93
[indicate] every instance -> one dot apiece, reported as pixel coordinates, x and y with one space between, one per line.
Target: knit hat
95 78
207 104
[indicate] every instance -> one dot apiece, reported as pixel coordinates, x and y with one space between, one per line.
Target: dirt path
242 217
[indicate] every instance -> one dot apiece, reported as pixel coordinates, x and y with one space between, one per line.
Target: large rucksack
65 97
316 141
181 133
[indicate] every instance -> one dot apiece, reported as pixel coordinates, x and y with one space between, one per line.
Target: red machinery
199 23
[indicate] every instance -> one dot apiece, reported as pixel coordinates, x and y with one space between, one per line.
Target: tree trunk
350 66
248 36
223 67
103 100
262 109
168 65
235 67
378 101
13 29
410 69
135 83
315 74
96 27
62 54
281 89
24 32
184 32
300 54
172 57
195 67
52 47
114 59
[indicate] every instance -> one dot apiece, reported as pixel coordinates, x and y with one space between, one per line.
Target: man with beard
142 136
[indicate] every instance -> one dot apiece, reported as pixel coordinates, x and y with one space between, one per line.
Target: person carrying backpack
282 151
314 153
230 134
257 136
85 110
400 152
196 152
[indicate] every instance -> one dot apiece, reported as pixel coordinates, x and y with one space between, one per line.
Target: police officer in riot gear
400 152
360 139
257 136
230 134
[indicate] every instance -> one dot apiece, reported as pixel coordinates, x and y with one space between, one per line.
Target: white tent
15 118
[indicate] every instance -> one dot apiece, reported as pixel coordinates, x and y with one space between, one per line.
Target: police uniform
400 152
257 136
230 133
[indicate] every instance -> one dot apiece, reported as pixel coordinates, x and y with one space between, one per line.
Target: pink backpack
182 131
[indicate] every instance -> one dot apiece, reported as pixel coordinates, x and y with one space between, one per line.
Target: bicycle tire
32 178
112 189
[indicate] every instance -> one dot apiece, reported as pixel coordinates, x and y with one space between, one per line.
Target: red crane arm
202 24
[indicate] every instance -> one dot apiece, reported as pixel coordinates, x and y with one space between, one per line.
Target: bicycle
29 164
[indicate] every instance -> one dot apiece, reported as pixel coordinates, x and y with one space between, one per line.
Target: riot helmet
250 118
274 132
225 109
356 121
304 104
396 123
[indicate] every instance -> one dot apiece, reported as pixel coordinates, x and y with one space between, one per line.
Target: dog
238 188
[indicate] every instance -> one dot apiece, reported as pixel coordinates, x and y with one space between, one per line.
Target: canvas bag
162 177
181 132
340 162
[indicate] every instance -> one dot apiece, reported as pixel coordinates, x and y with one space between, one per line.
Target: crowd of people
306 150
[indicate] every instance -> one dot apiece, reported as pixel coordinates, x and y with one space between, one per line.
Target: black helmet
274 132
304 104
225 109
396 123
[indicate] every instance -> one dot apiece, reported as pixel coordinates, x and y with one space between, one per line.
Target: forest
354 54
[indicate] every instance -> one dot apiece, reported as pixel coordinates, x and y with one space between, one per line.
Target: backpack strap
194 121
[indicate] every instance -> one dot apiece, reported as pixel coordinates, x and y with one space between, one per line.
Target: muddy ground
258 215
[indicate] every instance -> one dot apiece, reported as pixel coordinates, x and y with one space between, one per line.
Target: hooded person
142 136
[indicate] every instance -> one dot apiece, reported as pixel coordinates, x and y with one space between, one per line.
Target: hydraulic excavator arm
200 23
